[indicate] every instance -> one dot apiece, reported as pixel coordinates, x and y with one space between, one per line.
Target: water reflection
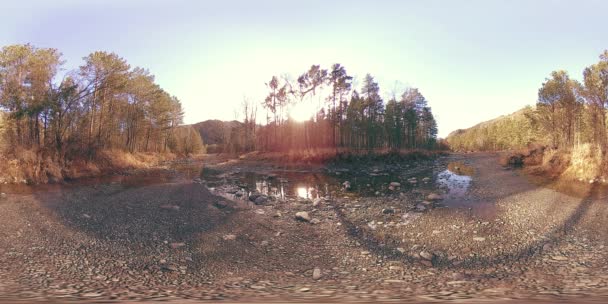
456 180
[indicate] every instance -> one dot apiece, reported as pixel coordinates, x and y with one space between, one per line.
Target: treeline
105 104
510 132
568 114
344 117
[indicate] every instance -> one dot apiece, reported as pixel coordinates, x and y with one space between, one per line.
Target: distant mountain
214 132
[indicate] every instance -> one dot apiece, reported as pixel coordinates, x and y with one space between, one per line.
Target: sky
472 60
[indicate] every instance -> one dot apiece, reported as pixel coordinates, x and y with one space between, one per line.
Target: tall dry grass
29 166
586 164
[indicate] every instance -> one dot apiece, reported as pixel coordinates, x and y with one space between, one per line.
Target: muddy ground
457 228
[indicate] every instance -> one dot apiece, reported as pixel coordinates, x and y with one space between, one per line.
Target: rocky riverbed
456 228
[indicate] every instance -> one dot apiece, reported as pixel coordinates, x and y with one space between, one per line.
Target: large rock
254 196
260 200
426 255
303 216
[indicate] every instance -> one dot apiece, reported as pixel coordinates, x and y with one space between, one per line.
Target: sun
302 111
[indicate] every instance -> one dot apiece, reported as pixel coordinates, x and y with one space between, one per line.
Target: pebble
229 237
177 245
316 273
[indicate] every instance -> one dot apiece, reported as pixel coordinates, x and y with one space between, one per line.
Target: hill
216 133
508 132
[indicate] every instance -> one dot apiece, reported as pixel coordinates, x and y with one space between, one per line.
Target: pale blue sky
473 60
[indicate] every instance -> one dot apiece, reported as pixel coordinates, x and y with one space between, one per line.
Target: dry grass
28 166
586 164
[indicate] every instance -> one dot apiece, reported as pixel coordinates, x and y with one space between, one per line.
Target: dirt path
178 241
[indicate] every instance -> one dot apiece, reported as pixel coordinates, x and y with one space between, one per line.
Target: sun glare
302 111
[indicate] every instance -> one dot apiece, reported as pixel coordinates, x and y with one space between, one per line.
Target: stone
559 258
479 239
388 211
434 197
426 255
170 207
303 216
316 273
229 237
2 195
262 199
426 263
316 202
426 179
420 207
395 184
315 221
254 195
346 185
220 205
177 245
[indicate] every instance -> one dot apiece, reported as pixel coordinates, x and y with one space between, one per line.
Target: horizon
473 62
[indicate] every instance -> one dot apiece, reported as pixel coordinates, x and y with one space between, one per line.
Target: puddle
282 185
455 181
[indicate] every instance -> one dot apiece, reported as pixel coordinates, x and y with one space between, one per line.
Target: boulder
260 200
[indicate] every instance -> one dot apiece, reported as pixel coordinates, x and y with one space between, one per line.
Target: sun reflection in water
302 192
